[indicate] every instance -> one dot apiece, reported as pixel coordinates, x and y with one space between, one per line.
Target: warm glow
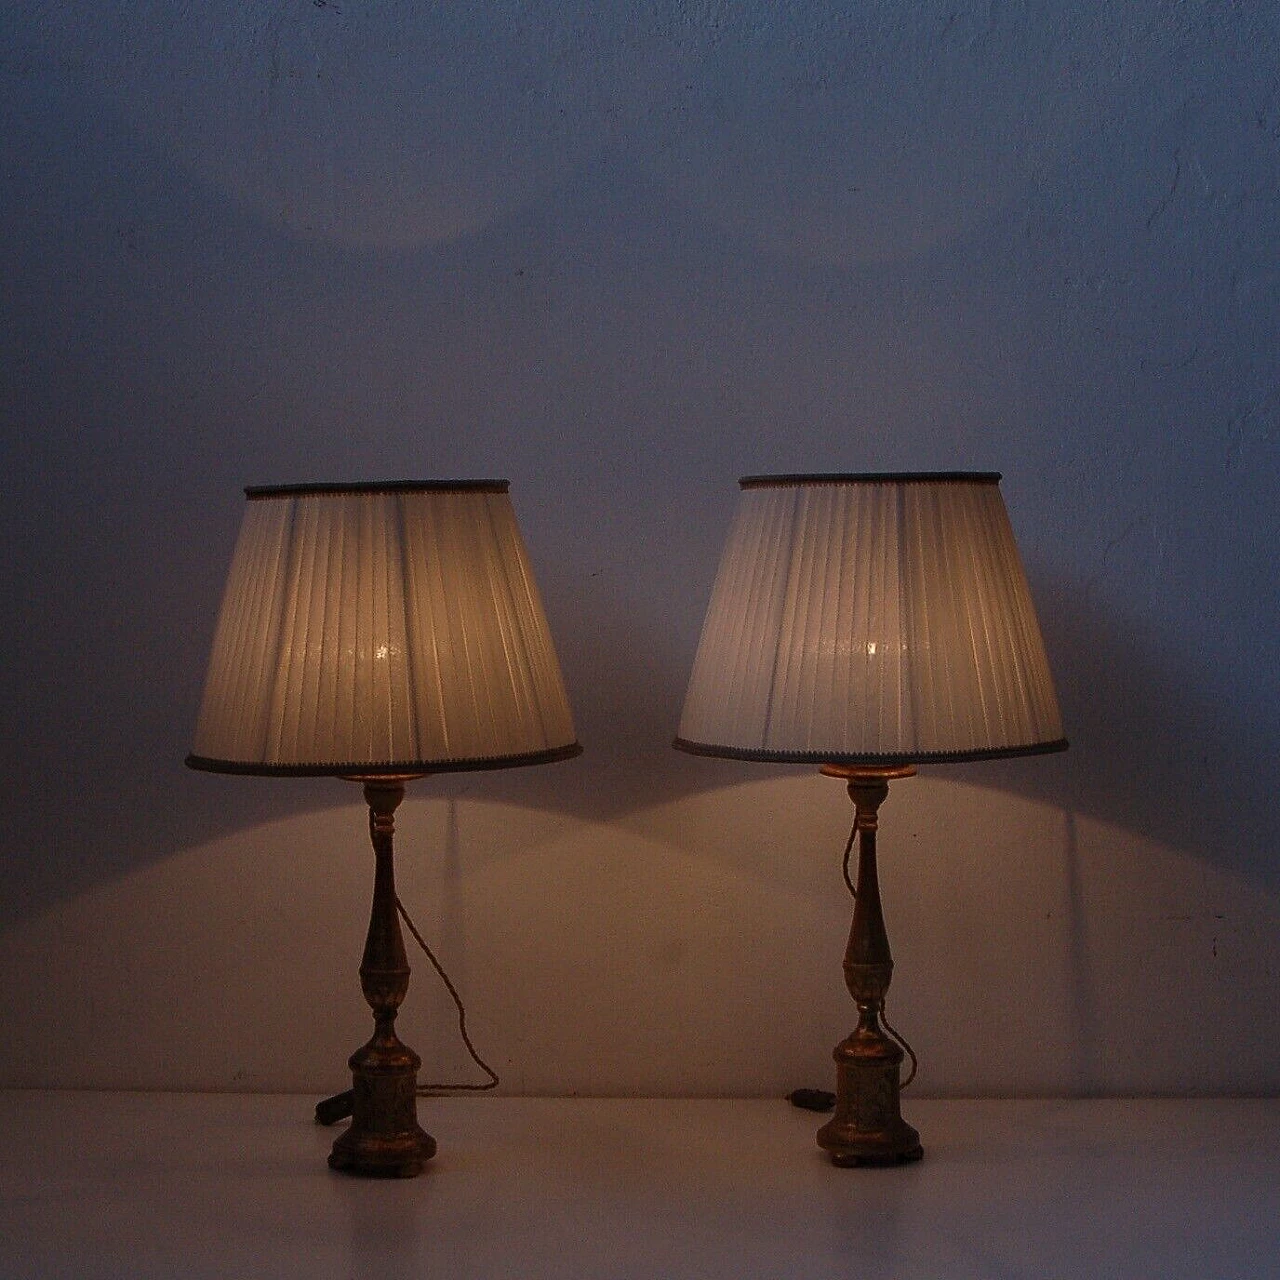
864 618
369 626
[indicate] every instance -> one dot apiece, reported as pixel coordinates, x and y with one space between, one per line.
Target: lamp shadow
98 698
1158 746
1153 750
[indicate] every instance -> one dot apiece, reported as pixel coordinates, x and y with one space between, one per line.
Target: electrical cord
844 865
900 1040
339 1107
424 1089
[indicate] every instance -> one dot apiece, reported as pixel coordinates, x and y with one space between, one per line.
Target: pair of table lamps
862 623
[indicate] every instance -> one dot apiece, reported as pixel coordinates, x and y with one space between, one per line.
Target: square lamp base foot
379 1156
850 1147
856 1159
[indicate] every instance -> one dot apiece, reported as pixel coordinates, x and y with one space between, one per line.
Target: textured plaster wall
623 254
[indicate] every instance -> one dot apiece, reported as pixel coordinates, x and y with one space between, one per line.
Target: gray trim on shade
378 486
871 477
885 761
375 769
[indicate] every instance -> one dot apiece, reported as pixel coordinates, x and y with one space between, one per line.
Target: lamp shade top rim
870 477
377 486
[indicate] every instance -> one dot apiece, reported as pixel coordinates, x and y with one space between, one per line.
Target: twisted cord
896 1036
492 1082
901 1041
844 866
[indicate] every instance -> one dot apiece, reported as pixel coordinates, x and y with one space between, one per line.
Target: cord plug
812 1099
339 1107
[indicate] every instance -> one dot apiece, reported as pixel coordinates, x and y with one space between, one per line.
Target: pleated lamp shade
380 629
871 619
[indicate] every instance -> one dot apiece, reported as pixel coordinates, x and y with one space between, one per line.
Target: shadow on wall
1152 751
691 948
168 346
1159 745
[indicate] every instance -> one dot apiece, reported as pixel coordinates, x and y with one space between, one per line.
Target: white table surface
182 1185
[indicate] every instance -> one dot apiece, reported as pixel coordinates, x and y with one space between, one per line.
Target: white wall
623 255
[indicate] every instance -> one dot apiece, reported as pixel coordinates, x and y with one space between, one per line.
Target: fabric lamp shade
381 629
871 619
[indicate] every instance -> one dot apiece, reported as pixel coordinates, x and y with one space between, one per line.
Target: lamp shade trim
363 767
377 486
871 477
892 759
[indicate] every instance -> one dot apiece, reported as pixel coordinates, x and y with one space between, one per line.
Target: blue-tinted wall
622 255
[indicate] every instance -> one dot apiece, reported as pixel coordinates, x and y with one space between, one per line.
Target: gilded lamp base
868 1128
384 1138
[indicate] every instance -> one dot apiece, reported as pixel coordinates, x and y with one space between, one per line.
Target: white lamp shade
871 620
381 629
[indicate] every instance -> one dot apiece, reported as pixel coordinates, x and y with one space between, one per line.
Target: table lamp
379 633
869 624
